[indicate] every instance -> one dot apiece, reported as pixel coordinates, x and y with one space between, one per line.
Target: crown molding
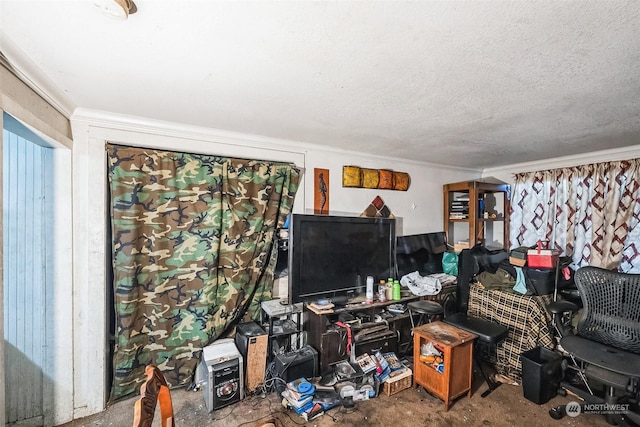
32 75
609 155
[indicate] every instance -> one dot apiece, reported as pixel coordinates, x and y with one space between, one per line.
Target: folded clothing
501 279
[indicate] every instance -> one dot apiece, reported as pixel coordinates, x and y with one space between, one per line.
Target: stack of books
393 361
382 367
317 308
459 208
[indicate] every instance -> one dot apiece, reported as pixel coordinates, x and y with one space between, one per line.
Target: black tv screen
329 255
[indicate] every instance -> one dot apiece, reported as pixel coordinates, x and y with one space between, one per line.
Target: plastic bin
541 374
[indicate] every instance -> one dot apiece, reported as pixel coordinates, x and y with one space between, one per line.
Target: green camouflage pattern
193 253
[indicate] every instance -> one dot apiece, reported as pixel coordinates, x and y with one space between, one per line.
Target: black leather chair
606 342
471 262
488 333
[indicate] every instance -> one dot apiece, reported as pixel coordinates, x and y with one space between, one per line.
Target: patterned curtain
590 213
193 253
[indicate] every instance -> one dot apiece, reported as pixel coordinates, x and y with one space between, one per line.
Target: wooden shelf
467 197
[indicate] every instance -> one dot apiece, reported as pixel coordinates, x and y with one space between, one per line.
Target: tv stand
329 344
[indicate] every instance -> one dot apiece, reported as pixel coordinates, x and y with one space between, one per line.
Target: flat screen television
332 256
421 253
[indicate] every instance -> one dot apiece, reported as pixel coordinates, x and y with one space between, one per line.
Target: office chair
605 345
154 389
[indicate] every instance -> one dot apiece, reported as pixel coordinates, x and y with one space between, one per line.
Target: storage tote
542 257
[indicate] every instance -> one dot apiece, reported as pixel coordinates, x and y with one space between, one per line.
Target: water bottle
359 287
369 295
382 292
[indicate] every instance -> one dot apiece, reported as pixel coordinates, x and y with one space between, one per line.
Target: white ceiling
465 83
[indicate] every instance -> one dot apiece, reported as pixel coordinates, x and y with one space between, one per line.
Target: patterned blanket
527 319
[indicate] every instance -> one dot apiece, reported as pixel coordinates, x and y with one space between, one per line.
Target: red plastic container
542 258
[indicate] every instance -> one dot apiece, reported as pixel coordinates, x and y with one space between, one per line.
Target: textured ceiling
464 83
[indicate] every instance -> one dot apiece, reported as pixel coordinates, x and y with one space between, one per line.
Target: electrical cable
233 407
270 414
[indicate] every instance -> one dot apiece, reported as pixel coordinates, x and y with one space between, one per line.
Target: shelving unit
477 212
283 322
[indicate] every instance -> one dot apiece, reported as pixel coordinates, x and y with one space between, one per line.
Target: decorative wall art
383 179
321 191
377 209
370 178
351 176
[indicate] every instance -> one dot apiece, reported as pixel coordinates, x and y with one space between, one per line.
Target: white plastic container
369 294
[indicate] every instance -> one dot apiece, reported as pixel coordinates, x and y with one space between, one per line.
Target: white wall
419 210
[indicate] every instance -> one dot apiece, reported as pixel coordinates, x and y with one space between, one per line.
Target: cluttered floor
505 406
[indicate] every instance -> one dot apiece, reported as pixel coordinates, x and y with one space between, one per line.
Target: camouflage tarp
193 252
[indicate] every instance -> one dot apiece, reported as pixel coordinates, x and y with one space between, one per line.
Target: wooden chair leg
166 407
155 389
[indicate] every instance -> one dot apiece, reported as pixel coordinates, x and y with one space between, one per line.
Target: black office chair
605 345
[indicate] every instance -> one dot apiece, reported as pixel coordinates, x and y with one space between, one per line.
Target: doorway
37 278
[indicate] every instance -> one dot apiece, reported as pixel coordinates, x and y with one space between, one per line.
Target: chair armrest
562 307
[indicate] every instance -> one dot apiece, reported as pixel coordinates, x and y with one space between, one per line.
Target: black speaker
301 363
252 341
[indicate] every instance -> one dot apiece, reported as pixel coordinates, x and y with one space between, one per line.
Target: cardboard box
517 261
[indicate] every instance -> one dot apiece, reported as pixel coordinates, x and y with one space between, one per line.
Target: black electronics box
386 343
301 363
244 333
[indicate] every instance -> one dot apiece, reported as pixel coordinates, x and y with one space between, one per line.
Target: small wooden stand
457 348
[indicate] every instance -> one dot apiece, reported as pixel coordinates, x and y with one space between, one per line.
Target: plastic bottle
382 292
369 294
396 290
359 287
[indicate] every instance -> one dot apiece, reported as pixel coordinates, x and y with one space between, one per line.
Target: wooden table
456 346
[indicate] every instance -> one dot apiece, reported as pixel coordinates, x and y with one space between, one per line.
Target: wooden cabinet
453 379
477 212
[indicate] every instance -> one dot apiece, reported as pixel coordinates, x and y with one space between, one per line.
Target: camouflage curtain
193 253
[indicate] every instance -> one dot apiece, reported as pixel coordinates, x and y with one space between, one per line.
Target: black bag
540 281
